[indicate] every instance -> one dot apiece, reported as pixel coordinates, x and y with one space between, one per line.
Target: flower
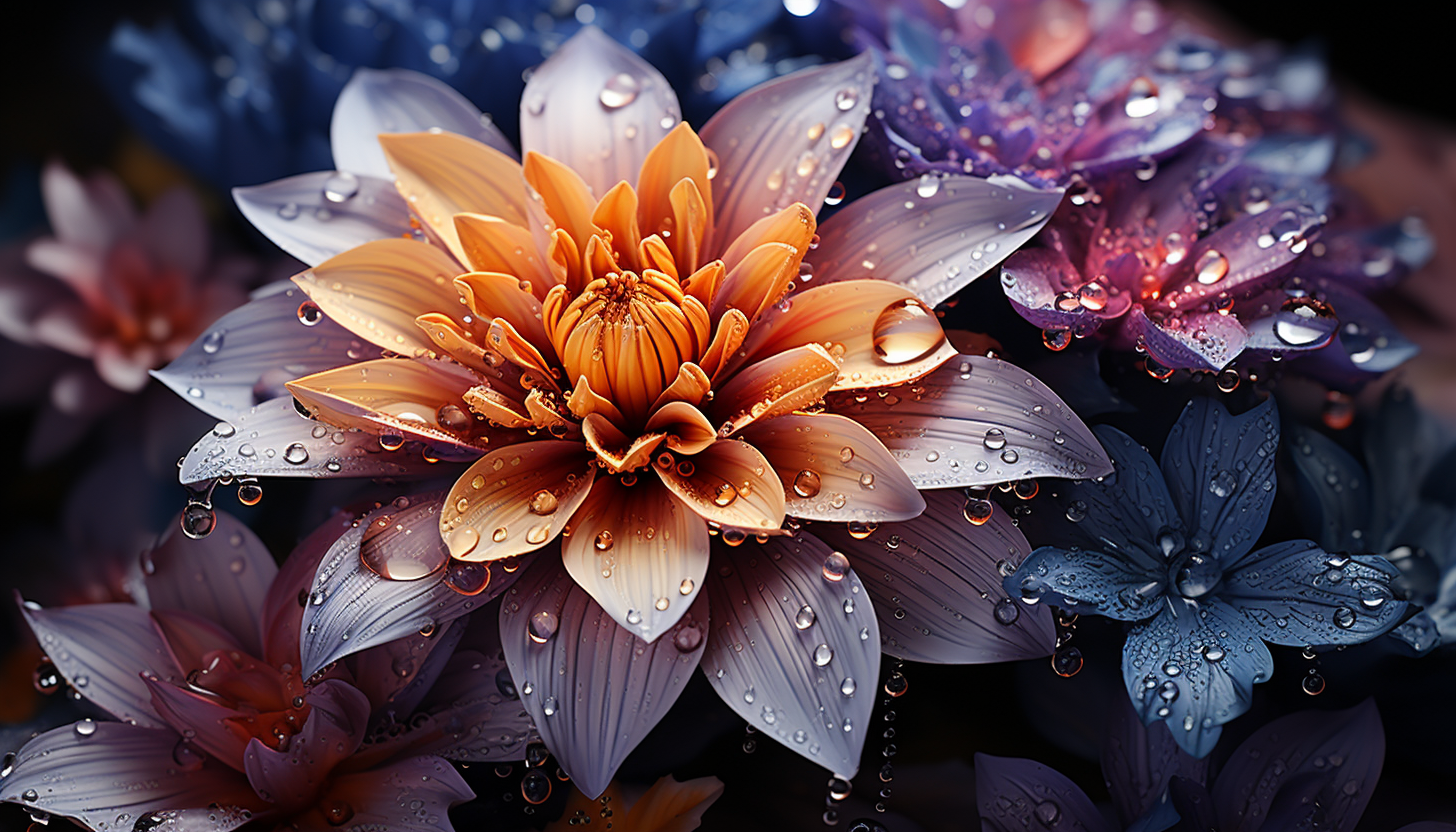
1048 90
1222 252
216 720
123 292
1184 567
240 92
1282 777
1394 505
651 344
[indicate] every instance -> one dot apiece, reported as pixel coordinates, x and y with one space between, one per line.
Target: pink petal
118 773
282 610
190 637
784 142
1203 341
397 674
820 483
593 688
203 716
77 266
291 778
936 583
597 107
67 327
91 213
978 421
933 235
314 216
793 652
174 232
412 795
516 499
223 577
399 101
103 650
126 371
245 357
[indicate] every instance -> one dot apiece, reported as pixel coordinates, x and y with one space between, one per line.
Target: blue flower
1173 550
1308 770
240 91
1399 504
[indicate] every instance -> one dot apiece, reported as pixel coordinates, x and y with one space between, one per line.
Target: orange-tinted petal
616 214
392 395
492 244
653 253
680 155
730 483
639 552
614 449
544 413
703 283
567 199
376 291
732 329
793 225
692 385
835 469
504 339
758 280
443 174
563 259
516 499
689 225
584 401
686 429
779 384
498 407
492 295
881 333
453 339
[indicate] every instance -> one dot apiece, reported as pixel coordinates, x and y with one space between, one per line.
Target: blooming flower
1284 776
1044 90
1184 567
125 292
1395 504
240 91
1221 253
217 723
646 339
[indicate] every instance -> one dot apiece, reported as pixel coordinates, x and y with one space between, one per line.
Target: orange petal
508 342
692 385
732 329
444 174
730 483
414 397
703 283
690 224
454 340
680 155
779 384
687 430
616 214
670 806
833 468
515 500
758 280
502 296
544 413
567 199
600 259
880 332
639 552
584 401
497 407
493 245
793 225
653 253
376 291
563 258
613 448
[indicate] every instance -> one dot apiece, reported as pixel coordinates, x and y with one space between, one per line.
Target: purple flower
1174 552
232 704
1227 250
1043 90
1284 776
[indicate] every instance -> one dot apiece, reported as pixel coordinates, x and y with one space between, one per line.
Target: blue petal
1334 492
1295 755
1137 762
1016 795
1295 593
1421 633
1089 581
1220 470
1195 666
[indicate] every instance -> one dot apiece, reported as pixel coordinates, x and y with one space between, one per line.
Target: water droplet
467 577
978 512
1007 611
543 502
1056 340
309 313
1048 812
1298 321
836 566
822 654
85 728
1067 662
906 331
807 483
928 186
535 787
212 342
453 418
995 439
295 454
604 541
804 619
619 91
896 684
1142 98
846 98
542 626
463 541
198 520
1223 483
1313 684
250 493
288 210
341 186
1210 267
1344 618
1228 380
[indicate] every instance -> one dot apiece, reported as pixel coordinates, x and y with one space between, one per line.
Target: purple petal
1367 259
598 108
290 778
593 688
977 421
1254 246
1296 594
103 650
1334 491
314 216
118 773
1199 341
1278 324
943 572
1035 279
396 675
1138 760
223 577
792 651
413 795
275 440
351 608
282 612
806 121
1194 666
244 358
1220 471
933 235
203 717
1016 795
399 101
1366 342
1301 747
1120 140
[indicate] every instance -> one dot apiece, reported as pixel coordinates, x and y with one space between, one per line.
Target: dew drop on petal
619 91
836 566
542 626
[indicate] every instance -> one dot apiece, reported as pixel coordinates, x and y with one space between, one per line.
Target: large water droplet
619 91
1142 98
542 626
807 483
836 566
341 186
804 619
846 98
906 331
1298 322
1211 267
